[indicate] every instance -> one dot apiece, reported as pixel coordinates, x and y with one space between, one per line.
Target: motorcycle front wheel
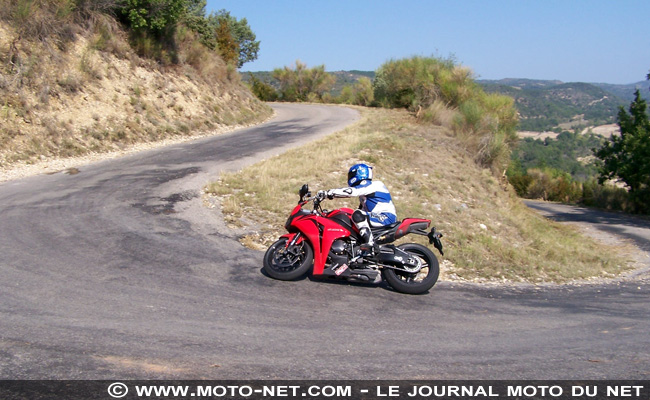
419 282
288 263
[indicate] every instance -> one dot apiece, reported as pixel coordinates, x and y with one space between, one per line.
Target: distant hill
553 105
626 92
521 83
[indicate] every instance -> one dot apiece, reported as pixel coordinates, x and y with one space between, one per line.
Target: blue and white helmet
358 173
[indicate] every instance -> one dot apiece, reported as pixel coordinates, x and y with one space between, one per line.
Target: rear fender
419 226
412 225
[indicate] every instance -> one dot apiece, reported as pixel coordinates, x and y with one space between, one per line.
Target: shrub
419 81
437 113
521 184
361 93
302 83
262 90
555 185
486 123
606 196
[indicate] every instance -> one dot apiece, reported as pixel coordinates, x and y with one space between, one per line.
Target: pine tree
627 157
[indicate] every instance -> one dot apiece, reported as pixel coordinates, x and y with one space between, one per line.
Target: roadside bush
521 183
360 94
302 83
548 184
555 185
262 90
437 114
606 196
419 81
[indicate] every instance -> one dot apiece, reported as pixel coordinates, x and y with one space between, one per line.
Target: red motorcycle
330 242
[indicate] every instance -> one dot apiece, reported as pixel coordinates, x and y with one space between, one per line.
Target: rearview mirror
304 191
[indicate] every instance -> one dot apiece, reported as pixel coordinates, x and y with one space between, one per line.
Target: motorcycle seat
385 228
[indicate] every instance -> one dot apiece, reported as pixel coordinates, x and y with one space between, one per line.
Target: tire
415 283
288 264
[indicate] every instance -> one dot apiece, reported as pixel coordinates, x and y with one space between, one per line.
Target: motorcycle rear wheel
419 282
287 264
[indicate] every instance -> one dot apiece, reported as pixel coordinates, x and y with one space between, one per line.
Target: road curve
120 272
632 228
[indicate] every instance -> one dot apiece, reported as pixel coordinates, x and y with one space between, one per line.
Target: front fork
294 240
290 249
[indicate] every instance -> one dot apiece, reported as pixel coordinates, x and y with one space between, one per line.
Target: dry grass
489 233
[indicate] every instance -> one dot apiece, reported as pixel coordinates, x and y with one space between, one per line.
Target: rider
376 207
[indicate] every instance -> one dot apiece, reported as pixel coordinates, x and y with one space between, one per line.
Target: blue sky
567 40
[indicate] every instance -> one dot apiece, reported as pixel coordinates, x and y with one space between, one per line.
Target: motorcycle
329 242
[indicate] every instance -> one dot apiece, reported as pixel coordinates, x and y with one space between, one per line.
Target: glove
330 194
321 194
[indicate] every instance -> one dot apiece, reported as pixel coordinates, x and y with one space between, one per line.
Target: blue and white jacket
375 200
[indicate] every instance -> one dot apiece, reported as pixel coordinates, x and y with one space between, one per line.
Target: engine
338 252
339 247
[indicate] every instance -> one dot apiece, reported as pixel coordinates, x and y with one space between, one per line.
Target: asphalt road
120 272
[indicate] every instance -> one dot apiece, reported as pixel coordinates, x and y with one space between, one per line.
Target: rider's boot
369 248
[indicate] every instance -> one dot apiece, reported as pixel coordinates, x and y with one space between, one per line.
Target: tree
155 16
226 44
627 156
291 82
196 20
240 32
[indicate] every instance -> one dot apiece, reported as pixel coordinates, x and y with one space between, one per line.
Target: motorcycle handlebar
320 196
306 197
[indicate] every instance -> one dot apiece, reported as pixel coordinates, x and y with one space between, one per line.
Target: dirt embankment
85 97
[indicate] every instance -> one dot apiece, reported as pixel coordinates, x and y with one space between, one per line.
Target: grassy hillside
70 84
489 234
